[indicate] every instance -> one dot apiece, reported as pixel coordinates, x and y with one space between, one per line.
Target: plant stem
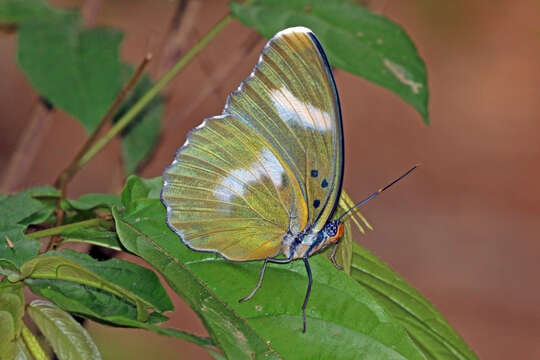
57 230
32 344
72 168
130 115
67 174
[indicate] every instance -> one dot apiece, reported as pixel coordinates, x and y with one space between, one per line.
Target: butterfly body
309 242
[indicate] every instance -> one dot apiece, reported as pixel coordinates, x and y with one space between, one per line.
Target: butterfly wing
271 163
292 101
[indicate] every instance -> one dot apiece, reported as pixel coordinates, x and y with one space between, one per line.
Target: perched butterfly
262 180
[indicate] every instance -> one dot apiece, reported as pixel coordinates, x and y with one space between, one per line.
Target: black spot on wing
316 203
314 173
324 183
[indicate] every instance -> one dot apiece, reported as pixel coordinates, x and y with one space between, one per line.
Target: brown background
463 230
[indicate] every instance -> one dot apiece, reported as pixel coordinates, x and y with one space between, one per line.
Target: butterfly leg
333 257
306 299
261 276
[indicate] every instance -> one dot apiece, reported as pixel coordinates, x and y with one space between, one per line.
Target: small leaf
75 69
17 11
12 301
7 329
15 248
139 138
126 280
99 236
137 188
88 302
94 201
25 207
67 337
424 324
355 40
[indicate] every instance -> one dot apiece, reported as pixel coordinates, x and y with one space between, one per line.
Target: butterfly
262 180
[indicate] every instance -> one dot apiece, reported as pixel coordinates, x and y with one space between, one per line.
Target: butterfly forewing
272 163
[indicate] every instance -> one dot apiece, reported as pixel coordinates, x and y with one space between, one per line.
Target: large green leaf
230 332
140 136
75 69
344 321
424 324
69 340
355 40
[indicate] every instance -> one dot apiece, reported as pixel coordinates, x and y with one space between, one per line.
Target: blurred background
463 229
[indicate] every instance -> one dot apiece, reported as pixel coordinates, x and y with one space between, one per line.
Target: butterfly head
333 230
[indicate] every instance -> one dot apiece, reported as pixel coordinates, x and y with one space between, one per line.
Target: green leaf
230 332
12 301
137 188
75 69
90 302
139 138
99 236
11 314
95 201
355 40
344 321
424 324
17 11
131 282
7 329
26 207
67 337
15 248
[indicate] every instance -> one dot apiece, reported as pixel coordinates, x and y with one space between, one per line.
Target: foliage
366 311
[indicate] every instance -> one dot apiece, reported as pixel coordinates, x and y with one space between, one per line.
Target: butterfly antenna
376 193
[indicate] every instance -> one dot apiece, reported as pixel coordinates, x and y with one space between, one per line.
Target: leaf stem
57 230
33 344
130 115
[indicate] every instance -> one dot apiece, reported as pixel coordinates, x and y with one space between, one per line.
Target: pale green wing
272 163
228 192
291 100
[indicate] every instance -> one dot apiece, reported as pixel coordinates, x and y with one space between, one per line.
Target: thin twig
143 101
67 174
